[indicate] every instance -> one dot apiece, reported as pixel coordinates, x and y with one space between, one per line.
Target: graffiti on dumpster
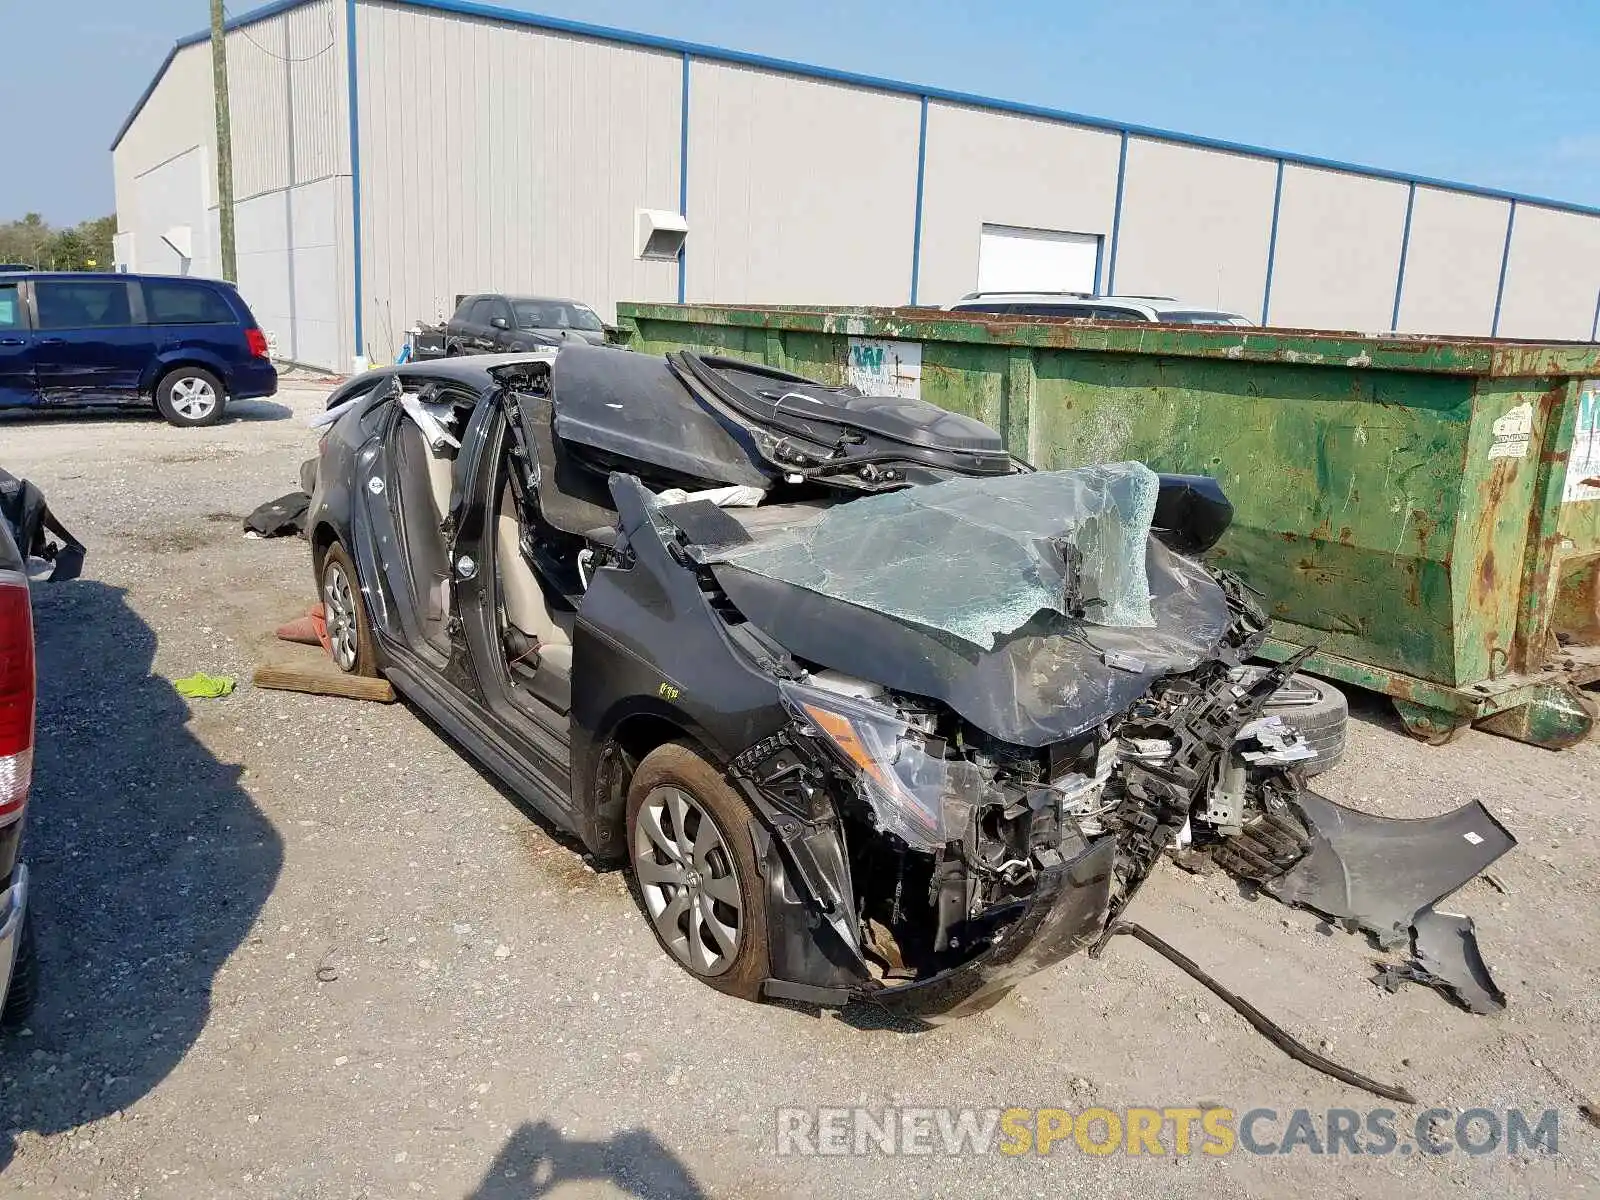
884 368
1583 464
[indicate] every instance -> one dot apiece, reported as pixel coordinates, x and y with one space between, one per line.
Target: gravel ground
297 946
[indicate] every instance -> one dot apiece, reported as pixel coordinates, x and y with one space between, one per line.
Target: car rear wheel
689 841
350 640
23 994
191 396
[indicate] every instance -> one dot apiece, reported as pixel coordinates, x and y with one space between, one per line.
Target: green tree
24 241
84 247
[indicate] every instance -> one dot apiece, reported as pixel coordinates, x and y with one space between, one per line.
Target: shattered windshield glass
979 558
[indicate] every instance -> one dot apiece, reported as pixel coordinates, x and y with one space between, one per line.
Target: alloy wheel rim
340 614
690 881
193 397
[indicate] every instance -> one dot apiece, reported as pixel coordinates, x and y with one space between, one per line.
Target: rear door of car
16 348
88 345
191 319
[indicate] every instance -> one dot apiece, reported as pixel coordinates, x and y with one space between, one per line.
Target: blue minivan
187 345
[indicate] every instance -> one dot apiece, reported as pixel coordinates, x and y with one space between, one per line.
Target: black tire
191 397
677 766
1322 722
346 605
23 994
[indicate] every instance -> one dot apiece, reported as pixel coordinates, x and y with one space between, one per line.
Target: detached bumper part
1384 876
1066 913
1447 958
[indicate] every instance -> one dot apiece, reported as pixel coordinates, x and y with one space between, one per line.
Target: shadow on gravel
149 863
238 410
537 1159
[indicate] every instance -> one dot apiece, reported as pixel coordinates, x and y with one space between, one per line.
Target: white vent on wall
661 234
181 239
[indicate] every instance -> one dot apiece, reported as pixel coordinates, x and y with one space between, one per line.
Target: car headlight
916 793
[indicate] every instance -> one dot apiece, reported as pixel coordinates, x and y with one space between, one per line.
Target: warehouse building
392 154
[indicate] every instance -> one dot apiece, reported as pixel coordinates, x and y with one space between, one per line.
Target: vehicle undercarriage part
1258 1020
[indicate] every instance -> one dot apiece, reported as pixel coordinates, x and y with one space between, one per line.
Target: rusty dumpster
1424 511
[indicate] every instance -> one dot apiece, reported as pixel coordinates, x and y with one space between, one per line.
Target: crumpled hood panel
1047 681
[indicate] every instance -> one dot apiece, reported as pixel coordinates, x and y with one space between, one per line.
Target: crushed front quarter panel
1380 872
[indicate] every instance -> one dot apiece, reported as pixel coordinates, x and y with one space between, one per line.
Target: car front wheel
191 396
689 842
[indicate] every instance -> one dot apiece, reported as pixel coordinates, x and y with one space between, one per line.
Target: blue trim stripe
1405 249
1272 244
1505 263
740 58
355 169
1594 326
683 179
1116 221
916 222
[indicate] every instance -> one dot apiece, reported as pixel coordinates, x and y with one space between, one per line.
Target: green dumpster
1426 512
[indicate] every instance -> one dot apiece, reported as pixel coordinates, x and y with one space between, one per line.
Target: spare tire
1318 712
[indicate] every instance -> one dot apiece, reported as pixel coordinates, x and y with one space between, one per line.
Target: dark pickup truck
491 323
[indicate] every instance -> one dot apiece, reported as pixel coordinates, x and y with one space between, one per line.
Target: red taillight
17 686
257 342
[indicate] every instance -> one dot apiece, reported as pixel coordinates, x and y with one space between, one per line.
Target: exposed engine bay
1191 768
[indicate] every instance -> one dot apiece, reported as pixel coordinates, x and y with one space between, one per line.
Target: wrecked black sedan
872 708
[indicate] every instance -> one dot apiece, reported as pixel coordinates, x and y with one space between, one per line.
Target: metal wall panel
801 191
177 118
1452 263
1195 225
1553 276
988 167
288 249
498 157
1338 250
169 195
286 86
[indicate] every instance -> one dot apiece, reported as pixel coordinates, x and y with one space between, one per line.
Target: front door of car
87 344
482 335
16 350
502 329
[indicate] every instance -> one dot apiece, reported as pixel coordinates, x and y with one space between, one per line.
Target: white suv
1083 306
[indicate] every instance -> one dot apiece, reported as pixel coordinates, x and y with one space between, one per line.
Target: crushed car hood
1035 605
1050 680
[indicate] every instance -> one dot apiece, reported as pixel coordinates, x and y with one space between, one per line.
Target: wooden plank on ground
323 679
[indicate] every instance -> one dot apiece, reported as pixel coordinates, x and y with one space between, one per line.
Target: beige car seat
527 608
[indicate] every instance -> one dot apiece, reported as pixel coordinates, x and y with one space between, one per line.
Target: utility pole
219 83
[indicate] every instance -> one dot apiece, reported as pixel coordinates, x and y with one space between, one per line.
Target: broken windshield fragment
980 558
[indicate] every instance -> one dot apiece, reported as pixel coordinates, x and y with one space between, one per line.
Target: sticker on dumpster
1513 433
1583 464
883 368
